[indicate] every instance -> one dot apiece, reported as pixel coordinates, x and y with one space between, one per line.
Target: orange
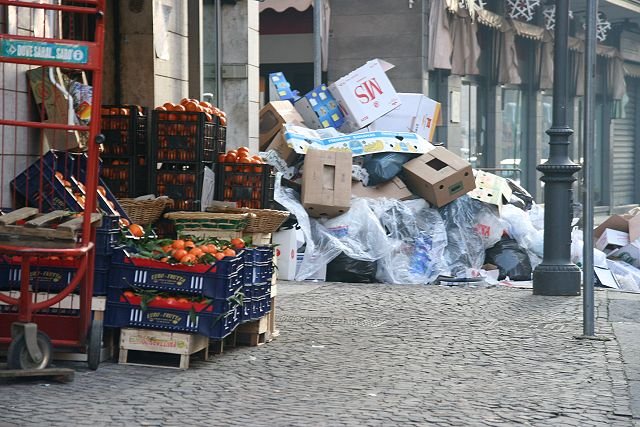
102 191
219 255
196 252
229 252
136 230
59 176
179 254
125 222
188 245
167 248
178 244
212 248
204 249
243 150
237 243
188 259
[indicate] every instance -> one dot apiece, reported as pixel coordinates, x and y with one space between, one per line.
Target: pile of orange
185 251
240 155
192 106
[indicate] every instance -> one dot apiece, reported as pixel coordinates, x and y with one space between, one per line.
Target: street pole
557 275
317 43
588 328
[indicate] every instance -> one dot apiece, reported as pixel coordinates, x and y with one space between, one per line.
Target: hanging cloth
615 78
508 66
546 62
466 49
440 45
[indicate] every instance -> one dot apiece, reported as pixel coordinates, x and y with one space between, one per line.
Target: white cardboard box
612 238
286 252
629 253
365 94
416 113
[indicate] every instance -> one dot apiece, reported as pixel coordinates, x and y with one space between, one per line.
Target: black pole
557 275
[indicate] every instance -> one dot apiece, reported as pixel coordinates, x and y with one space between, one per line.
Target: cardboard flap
386 66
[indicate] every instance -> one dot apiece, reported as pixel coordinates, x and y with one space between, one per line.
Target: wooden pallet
28 227
63 375
181 344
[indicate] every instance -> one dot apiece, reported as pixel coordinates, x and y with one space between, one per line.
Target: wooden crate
272 317
258 239
162 342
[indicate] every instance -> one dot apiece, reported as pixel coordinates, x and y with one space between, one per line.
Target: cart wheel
18 356
95 344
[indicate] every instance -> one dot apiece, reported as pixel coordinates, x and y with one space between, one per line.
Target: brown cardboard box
273 116
56 109
326 183
628 222
280 146
394 189
439 176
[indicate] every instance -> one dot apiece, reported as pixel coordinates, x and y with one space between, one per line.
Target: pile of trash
375 201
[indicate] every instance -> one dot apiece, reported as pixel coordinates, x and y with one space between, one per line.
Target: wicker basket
263 221
208 224
145 212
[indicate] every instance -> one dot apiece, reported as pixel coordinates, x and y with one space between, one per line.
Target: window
510 144
472 124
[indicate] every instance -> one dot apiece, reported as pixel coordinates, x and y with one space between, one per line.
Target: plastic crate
125 130
260 307
120 313
41 188
100 281
185 137
180 182
220 280
249 185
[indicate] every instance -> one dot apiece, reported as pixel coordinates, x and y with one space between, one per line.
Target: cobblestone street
373 355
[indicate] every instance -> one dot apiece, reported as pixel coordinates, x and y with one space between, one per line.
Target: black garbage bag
384 167
349 270
510 258
519 196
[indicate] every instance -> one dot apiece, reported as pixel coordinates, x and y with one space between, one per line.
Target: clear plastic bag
522 230
472 227
628 276
416 242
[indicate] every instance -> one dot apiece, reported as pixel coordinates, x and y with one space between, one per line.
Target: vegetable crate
222 226
124 158
122 313
186 137
249 185
220 280
180 182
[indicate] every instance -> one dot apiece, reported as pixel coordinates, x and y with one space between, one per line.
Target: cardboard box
362 143
58 108
394 189
365 94
491 189
326 183
629 253
286 253
628 222
439 176
612 239
416 113
280 89
280 146
273 116
319 109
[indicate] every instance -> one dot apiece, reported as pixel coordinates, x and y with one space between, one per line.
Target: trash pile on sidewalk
376 201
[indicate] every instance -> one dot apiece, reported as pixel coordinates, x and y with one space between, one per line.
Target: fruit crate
125 128
180 182
220 280
50 276
249 185
121 313
186 137
260 306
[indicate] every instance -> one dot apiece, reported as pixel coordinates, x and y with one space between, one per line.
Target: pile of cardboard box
321 139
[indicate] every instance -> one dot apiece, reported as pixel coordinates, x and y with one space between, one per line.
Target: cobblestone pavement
368 355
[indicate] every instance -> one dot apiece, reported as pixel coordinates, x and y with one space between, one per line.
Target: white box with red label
286 246
365 94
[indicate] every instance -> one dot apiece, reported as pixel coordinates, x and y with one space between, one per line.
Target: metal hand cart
51 39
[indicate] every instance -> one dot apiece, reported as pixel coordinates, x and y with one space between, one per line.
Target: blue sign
60 52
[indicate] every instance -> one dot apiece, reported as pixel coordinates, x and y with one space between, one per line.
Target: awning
528 31
631 70
492 20
282 5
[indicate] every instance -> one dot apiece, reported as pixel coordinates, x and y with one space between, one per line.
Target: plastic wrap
628 276
512 260
536 215
472 227
520 197
522 230
577 250
384 167
416 242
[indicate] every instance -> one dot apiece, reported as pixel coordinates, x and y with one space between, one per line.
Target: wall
387 29
171 74
19 146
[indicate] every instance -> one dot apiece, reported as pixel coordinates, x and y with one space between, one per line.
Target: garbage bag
346 269
471 227
522 230
627 275
417 240
512 261
384 167
577 250
523 198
